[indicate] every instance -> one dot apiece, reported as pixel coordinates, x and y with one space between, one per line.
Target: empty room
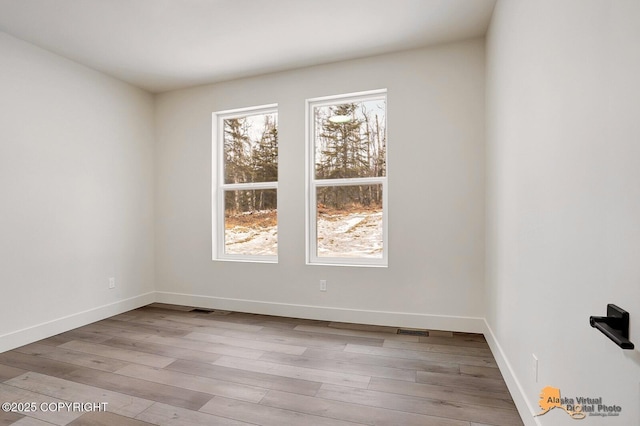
320 212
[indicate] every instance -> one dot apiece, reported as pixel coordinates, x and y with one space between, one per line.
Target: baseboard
37 332
520 398
326 313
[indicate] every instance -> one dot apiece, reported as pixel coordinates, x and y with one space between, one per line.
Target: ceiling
161 45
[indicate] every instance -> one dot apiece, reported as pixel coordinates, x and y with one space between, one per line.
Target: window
245 225
347 179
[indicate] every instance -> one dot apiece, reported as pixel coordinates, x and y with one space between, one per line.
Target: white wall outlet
534 367
323 285
112 282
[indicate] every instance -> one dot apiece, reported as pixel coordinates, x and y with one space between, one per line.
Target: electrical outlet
323 285
534 367
112 282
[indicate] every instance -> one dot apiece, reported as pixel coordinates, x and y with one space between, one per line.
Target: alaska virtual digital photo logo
578 408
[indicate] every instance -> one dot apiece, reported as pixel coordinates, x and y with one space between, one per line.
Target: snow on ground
357 234
351 235
244 240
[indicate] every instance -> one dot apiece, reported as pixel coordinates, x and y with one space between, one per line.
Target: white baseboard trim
520 398
326 313
37 332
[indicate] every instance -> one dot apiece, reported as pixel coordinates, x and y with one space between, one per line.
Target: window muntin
245 224
347 178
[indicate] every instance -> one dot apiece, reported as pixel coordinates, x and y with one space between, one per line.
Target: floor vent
209 311
412 332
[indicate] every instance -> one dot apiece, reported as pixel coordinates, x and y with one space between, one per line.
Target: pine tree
265 162
343 154
236 151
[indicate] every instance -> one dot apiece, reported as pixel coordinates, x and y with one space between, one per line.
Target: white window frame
312 183
219 186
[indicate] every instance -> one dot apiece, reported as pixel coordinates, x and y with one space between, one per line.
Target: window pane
350 140
251 222
251 148
349 221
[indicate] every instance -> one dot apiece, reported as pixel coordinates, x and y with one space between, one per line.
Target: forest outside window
347 180
246 182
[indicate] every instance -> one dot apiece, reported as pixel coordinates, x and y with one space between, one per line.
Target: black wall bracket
615 325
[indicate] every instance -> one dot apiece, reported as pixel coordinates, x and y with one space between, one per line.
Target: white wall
436 194
76 194
563 126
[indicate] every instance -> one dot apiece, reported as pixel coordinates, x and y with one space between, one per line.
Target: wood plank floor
169 365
